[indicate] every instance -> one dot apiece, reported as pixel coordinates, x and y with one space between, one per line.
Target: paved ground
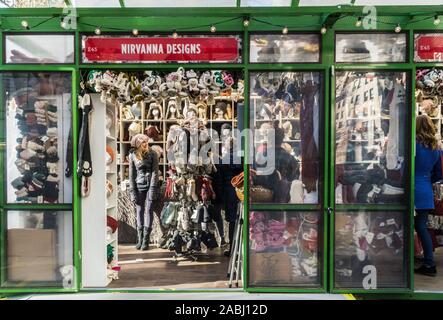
183 296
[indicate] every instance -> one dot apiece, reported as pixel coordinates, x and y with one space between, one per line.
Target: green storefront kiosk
344 83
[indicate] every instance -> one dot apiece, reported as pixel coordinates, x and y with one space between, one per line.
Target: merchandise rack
390 15
164 123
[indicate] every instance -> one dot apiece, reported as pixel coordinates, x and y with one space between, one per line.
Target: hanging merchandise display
36 123
84 164
283 249
287 104
176 108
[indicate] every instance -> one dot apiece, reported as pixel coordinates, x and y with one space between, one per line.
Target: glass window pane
428 47
371 137
266 3
322 3
285 114
369 250
38 125
174 3
39 249
370 47
274 48
285 249
39 48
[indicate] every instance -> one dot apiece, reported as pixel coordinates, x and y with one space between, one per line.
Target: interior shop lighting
175 34
358 22
98 31
134 32
397 28
285 30
246 22
436 20
213 29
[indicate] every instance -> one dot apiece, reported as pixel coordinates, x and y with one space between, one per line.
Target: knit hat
138 139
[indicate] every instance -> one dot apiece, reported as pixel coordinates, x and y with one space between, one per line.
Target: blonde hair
140 152
425 132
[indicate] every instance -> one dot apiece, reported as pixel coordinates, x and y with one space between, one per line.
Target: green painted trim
410 274
246 125
159 291
331 185
165 66
375 291
285 207
36 290
284 290
76 213
327 46
401 10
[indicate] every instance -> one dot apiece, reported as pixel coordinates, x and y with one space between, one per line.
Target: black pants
145 210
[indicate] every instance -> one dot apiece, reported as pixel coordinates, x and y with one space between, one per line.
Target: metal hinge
2 145
330 210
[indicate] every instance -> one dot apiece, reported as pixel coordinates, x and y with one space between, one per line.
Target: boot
146 234
139 238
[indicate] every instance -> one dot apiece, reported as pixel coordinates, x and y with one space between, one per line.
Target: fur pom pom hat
138 139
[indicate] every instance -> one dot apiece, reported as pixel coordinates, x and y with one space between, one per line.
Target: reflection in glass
285 48
370 47
369 250
371 139
285 113
39 48
39 249
39 150
284 248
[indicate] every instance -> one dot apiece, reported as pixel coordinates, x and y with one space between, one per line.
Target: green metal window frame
159 21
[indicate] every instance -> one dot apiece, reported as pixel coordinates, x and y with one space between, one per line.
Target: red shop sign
429 47
156 49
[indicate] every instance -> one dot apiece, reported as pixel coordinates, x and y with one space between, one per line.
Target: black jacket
221 183
143 174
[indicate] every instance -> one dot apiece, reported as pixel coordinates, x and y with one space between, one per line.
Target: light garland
246 21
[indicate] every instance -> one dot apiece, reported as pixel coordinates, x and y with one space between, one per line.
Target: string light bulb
397 28
246 22
135 32
98 31
358 22
436 20
213 29
62 23
285 30
25 24
175 34
323 30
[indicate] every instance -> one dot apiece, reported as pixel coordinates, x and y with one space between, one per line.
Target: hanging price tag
40 199
123 186
44 139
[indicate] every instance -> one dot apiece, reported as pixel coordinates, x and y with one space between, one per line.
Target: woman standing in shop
143 179
427 171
